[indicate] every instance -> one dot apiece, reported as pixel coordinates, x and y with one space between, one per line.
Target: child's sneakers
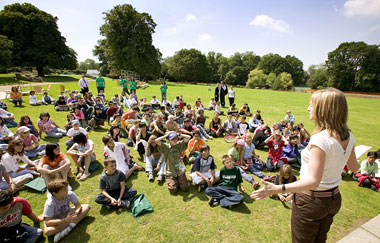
201 187
213 202
150 177
64 232
125 203
160 178
255 185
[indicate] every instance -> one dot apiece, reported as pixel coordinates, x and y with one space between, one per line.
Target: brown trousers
313 216
174 182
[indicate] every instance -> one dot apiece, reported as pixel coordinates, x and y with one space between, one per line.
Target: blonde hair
330 112
285 170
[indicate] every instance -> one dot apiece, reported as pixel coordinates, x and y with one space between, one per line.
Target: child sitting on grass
275 143
120 153
226 193
114 193
54 164
285 177
33 98
174 168
59 217
82 153
47 99
203 172
368 169
47 125
11 227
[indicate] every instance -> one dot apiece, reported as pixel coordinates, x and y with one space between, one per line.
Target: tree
256 78
128 42
36 38
271 80
190 65
284 81
5 52
88 64
241 64
274 63
317 76
354 66
237 76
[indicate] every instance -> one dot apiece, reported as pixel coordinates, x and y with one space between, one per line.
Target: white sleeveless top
336 159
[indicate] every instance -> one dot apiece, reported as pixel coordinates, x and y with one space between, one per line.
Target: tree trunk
40 71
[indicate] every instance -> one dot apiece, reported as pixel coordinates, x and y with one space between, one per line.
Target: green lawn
187 217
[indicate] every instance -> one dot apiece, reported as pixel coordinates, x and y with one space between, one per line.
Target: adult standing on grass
216 94
100 83
132 84
83 84
222 93
317 198
163 88
124 83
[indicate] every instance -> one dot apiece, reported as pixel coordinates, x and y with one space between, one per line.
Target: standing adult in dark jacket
216 95
222 93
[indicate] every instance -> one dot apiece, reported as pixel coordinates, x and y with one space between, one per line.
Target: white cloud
190 17
375 28
267 22
205 36
362 8
170 31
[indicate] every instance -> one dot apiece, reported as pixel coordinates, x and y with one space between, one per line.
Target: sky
307 29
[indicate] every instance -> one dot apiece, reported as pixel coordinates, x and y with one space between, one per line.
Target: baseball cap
74 122
23 129
172 135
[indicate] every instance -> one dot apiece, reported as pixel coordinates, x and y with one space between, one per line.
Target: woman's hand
268 189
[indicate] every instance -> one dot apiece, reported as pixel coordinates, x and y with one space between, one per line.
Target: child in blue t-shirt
226 193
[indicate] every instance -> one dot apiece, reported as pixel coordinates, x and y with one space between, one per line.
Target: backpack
140 206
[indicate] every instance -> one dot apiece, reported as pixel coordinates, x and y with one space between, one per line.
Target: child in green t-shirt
226 193
125 84
100 83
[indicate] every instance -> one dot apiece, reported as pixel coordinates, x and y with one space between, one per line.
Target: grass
187 215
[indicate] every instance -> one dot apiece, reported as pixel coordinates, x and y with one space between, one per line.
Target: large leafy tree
36 39
190 65
257 78
274 63
354 66
317 76
128 42
5 52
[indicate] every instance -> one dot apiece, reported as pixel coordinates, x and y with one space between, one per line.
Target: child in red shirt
275 143
11 227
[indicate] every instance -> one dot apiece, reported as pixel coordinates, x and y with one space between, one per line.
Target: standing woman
163 88
216 94
317 198
100 83
231 95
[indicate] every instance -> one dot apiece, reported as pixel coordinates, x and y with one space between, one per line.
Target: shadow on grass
104 211
73 183
347 178
81 227
241 208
